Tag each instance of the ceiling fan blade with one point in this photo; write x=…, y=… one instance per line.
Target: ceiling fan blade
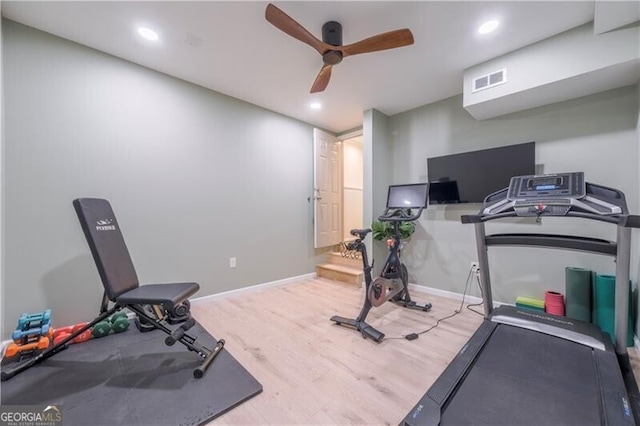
x=388, y=40
x=322, y=80
x=288, y=25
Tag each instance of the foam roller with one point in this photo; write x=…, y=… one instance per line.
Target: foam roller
x=578, y=293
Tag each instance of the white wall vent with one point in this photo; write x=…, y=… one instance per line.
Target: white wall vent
x=489, y=80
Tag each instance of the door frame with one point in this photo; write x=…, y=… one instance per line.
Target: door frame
x=342, y=138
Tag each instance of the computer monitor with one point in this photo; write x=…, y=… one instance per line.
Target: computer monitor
x=410, y=196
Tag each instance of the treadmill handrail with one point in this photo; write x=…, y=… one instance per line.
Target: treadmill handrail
x=626, y=221
x=565, y=242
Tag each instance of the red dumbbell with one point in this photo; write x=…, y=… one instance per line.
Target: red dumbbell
x=63, y=332
x=84, y=336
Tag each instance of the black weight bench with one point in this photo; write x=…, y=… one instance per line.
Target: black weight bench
x=121, y=287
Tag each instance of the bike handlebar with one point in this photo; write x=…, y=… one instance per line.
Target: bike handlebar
x=400, y=215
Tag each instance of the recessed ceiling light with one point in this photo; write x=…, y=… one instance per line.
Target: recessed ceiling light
x=148, y=33
x=315, y=105
x=488, y=26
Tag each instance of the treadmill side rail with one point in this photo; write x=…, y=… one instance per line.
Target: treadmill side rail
x=615, y=401
x=428, y=410
x=566, y=328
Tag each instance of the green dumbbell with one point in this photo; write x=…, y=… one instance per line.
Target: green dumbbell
x=118, y=322
x=101, y=329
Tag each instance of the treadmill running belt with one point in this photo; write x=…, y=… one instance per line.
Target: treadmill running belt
x=534, y=379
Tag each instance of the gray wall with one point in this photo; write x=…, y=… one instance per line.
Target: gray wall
x=596, y=134
x=382, y=178
x=367, y=166
x=195, y=178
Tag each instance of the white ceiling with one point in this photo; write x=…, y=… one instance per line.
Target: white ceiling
x=243, y=56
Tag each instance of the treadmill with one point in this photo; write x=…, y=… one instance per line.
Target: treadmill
x=523, y=367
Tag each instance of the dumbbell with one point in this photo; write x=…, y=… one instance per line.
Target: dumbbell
x=118, y=322
x=14, y=349
x=63, y=332
x=40, y=319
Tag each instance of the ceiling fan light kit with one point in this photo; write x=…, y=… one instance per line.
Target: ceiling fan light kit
x=331, y=47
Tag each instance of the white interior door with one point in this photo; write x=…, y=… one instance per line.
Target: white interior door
x=327, y=189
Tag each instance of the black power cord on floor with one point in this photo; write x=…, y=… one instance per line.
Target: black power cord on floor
x=413, y=336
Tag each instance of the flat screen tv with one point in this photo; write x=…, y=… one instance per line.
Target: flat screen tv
x=470, y=176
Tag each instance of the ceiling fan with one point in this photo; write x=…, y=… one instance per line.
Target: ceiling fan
x=331, y=47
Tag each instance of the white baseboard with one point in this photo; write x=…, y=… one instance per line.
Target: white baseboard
x=450, y=294
x=636, y=344
x=252, y=288
x=3, y=347
x=443, y=293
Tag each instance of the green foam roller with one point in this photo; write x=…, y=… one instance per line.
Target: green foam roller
x=604, y=306
x=593, y=297
x=605, y=302
x=578, y=293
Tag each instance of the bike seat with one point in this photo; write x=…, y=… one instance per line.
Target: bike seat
x=360, y=233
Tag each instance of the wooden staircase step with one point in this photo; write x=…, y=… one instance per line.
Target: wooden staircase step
x=336, y=258
x=340, y=273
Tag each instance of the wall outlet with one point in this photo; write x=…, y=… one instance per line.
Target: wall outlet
x=475, y=266
x=232, y=262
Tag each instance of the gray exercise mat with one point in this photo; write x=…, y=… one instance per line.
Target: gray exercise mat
x=131, y=379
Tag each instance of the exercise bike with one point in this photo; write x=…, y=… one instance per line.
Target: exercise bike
x=393, y=283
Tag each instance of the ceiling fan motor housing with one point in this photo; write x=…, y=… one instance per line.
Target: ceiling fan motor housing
x=332, y=34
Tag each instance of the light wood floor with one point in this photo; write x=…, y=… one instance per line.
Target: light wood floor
x=315, y=372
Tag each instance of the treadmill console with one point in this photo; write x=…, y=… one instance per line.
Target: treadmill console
x=534, y=187
x=554, y=195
